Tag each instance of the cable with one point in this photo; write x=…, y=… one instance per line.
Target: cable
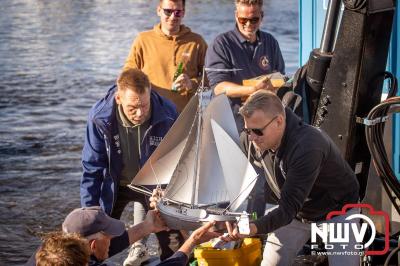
x=374, y=137
x=394, y=251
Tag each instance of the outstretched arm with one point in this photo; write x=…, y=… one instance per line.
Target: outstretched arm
x=151, y=224
x=235, y=90
x=200, y=235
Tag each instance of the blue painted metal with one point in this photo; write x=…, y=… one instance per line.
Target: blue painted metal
x=311, y=24
x=312, y=18
x=394, y=67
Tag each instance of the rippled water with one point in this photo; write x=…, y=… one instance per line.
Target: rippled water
x=56, y=59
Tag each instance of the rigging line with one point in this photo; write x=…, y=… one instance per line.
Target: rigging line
x=221, y=69
x=141, y=189
x=181, y=163
x=240, y=193
x=201, y=87
x=248, y=160
x=181, y=185
x=155, y=175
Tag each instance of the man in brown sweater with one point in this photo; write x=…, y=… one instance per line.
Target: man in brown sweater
x=160, y=51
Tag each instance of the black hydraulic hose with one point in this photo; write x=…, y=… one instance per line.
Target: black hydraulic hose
x=376, y=145
x=374, y=137
x=378, y=152
x=331, y=21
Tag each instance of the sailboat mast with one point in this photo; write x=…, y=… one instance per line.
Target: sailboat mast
x=195, y=191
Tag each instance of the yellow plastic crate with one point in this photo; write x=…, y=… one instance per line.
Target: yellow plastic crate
x=248, y=254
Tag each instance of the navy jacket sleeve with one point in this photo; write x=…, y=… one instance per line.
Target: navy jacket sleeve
x=217, y=57
x=279, y=63
x=94, y=163
x=179, y=258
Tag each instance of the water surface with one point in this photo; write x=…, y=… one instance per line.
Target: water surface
x=56, y=59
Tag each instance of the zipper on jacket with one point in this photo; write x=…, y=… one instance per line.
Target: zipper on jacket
x=151, y=126
x=139, y=144
x=109, y=168
x=145, y=134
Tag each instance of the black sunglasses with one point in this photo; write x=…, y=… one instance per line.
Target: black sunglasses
x=177, y=12
x=253, y=21
x=258, y=131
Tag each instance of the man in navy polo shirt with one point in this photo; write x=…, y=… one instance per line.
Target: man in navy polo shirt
x=245, y=47
x=255, y=53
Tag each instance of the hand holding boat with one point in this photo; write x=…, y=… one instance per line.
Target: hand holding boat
x=204, y=233
x=200, y=235
x=233, y=232
x=155, y=197
x=154, y=222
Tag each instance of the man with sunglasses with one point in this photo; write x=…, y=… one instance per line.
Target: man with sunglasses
x=307, y=174
x=246, y=48
x=255, y=53
x=160, y=51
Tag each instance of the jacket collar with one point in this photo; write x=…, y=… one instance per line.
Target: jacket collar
x=107, y=108
x=242, y=39
x=158, y=113
x=122, y=119
x=293, y=122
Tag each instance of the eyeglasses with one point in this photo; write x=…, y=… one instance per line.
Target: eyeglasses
x=177, y=12
x=253, y=21
x=258, y=131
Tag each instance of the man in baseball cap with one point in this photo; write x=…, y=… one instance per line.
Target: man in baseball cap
x=91, y=220
x=107, y=236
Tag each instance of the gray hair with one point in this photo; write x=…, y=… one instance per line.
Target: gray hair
x=249, y=2
x=265, y=101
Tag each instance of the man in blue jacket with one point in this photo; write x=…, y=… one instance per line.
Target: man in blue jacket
x=123, y=130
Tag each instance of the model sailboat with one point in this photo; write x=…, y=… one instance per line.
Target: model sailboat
x=208, y=177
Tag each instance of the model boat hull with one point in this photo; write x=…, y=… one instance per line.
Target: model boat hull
x=184, y=218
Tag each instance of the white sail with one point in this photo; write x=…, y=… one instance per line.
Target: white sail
x=181, y=186
x=167, y=155
x=239, y=174
x=200, y=159
x=211, y=182
x=208, y=184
